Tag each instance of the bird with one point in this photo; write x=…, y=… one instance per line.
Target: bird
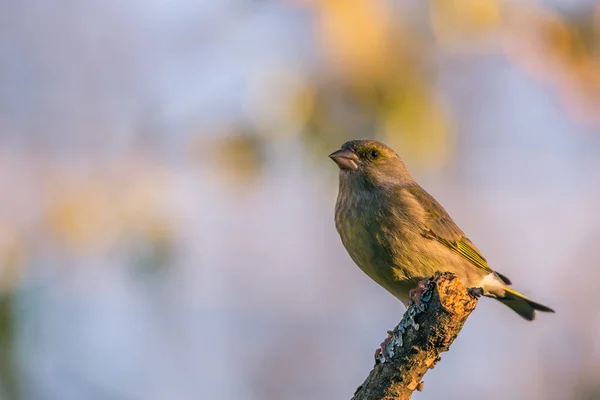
x=399, y=235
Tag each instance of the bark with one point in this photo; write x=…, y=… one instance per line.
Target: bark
x=416, y=343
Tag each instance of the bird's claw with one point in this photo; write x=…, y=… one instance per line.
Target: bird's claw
x=476, y=292
x=382, y=351
x=416, y=293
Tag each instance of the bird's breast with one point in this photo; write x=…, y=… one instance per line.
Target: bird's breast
x=369, y=236
x=379, y=239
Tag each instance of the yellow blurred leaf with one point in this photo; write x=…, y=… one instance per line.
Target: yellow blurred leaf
x=462, y=22
x=561, y=53
x=357, y=36
x=12, y=257
x=79, y=214
x=417, y=124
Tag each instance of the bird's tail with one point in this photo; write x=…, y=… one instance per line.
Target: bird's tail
x=522, y=305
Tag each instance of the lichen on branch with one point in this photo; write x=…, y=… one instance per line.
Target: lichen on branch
x=426, y=330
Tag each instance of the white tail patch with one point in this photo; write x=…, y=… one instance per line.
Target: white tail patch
x=492, y=285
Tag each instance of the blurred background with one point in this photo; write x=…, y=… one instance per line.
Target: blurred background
x=166, y=200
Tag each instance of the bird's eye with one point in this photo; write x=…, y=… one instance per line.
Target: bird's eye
x=374, y=154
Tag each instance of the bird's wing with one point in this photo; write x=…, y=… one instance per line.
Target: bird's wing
x=439, y=226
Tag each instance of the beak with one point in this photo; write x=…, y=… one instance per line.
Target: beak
x=345, y=159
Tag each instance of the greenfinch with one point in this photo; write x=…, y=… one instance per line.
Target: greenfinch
x=399, y=235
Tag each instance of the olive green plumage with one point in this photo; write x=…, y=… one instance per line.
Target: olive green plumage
x=398, y=234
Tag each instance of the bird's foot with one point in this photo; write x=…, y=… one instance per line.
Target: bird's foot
x=382, y=350
x=415, y=294
x=476, y=292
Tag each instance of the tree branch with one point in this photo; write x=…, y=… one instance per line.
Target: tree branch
x=415, y=346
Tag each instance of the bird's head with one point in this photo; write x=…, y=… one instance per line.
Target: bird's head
x=371, y=162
